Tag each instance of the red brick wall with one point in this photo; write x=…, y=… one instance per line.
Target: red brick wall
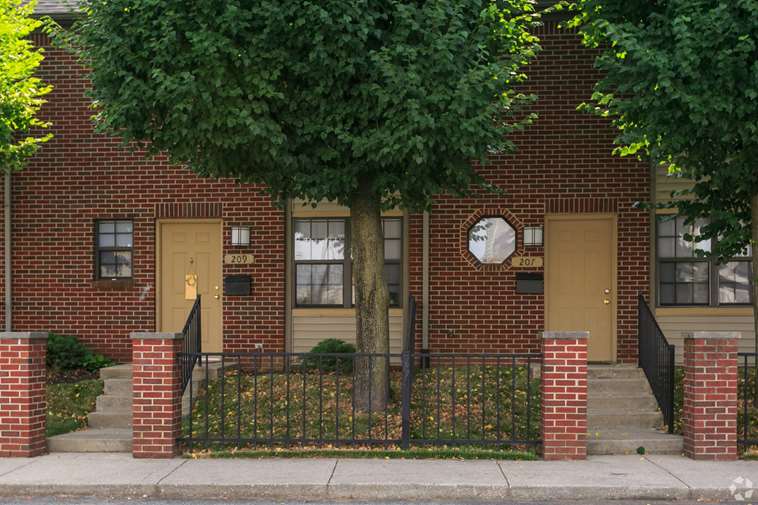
x=81, y=176
x=709, y=404
x=157, y=398
x=564, y=396
x=563, y=164
x=23, y=405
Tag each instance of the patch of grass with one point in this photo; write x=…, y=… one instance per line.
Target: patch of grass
x=369, y=452
x=68, y=405
x=305, y=408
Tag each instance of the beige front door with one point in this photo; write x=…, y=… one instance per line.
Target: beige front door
x=580, y=279
x=190, y=263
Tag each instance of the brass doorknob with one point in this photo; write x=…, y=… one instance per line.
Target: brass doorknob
x=216, y=297
x=606, y=302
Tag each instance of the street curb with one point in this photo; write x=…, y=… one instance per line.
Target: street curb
x=366, y=492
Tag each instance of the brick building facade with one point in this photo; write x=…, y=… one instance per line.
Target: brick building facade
x=563, y=167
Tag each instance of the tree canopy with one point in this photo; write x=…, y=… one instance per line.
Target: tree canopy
x=368, y=103
x=309, y=97
x=681, y=84
x=21, y=93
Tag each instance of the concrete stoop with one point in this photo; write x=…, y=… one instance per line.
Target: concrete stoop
x=622, y=414
x=110, y=425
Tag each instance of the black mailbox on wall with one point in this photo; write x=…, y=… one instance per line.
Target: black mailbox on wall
x=530, y=283
x=237, y=285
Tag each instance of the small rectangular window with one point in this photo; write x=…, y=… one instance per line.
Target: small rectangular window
x=393, y=254
x=114, y=243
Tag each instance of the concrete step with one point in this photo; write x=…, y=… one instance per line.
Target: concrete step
x=627, y=442
x=614, y=372
x=610, y=419
x=621, y=387
x=109, y=420
x=92, y=440
x=118, y=387
x=117, y=372
x=114, y=403
x=616, y=402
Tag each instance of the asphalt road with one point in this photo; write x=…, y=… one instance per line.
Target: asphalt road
x=67, y=501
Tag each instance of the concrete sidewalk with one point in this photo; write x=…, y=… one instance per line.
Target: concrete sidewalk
x=601, y=477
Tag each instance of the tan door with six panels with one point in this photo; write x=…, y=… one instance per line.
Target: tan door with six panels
x=190, y=264
x=580, y=279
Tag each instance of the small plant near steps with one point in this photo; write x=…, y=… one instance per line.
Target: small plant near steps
x=622, y=414
x=110, y=425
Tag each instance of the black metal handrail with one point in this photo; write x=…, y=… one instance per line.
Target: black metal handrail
x=746, y=436
x=656, y=358
x=303, y=399
x=191, y=343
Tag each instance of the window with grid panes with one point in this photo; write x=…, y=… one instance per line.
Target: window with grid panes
x=684, y=278
x=323, y=264
x=113, y=249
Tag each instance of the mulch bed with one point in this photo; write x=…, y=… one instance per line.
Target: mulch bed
x=70, y=376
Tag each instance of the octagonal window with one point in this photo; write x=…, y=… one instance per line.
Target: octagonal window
x=492, y=240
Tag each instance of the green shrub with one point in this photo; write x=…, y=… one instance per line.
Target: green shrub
x=65, y=352
x=93, y=362
x=331, y=363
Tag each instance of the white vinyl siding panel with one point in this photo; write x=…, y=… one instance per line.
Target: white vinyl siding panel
x=675, y=327
x=309, y=330
x=665, y=184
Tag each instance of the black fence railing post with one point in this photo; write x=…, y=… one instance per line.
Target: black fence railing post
x=407, y=383
x=747, y=388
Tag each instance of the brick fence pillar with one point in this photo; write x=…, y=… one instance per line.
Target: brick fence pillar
x=23, y=404
x=564, y=395
x=156, y=404
x=710, y=395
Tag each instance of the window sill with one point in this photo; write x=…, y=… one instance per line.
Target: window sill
x=704, y=311
x=335, y=312
x=113, y=284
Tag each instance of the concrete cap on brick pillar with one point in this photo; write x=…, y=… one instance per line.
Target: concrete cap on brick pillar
x=722, y=335
x=565, y=335
x=155, y=335
x=23, y=335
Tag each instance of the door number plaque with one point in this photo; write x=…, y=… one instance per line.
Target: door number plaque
x=238, y=259
x=527, y=261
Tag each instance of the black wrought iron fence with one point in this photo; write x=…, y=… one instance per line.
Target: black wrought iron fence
x=191, y=343
x=657, y=360
x=309, y=399
x=747, y=422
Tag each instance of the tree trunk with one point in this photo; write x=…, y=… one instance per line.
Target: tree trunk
x=371, y=300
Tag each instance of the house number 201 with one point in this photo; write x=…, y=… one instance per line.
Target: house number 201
x=527, y=261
